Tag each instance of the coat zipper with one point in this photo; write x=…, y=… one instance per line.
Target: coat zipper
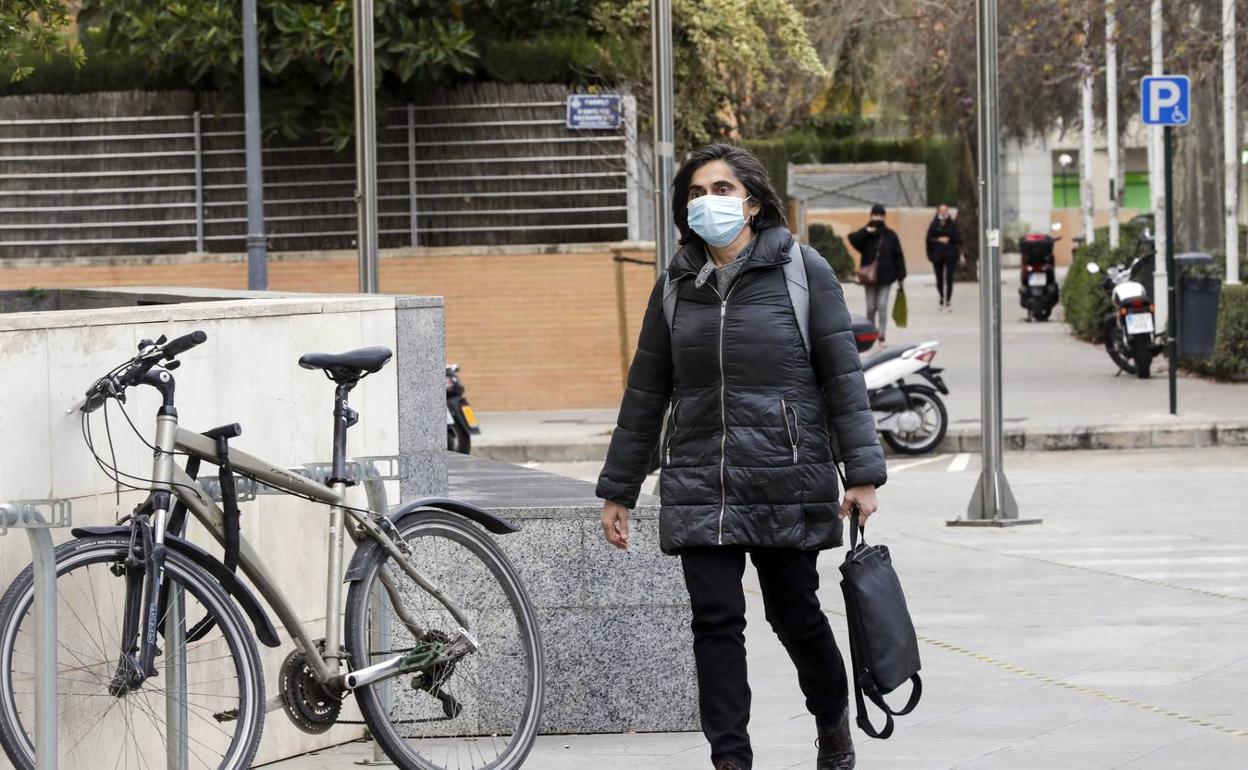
x=667, y=452
x=723, y=413
x=793, y=440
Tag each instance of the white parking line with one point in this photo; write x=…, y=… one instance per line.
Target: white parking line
x=959, y=463
x=915, y=464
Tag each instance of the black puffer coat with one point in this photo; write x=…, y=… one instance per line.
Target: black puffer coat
x=746, y=459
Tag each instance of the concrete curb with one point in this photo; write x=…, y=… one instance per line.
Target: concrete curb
x=1182, y=436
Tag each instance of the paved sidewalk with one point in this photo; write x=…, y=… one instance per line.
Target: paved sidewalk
x=1059, y=392
x=1112, y=635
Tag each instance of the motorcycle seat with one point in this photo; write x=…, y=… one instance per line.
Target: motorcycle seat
x=887, y=355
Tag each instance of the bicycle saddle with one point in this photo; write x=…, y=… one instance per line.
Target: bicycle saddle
x=351, y=365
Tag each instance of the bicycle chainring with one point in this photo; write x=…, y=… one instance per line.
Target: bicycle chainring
x=307, y=702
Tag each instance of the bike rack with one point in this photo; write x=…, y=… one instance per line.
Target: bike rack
x=37, y=517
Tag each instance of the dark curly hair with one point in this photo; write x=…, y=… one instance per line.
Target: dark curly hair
x=748, y=170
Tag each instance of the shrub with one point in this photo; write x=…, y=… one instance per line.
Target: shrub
x=832, y=248
x=1086, y=304
x=554, y=58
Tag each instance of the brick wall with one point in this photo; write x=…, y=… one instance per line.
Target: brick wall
x=531, y=329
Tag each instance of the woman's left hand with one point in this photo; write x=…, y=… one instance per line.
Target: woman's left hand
x=863, y=498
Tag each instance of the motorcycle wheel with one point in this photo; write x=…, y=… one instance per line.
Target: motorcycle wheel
x=458, y=439
x=1117, y=348
x=926, y=401
x=1142, y=354
x=1043, y=315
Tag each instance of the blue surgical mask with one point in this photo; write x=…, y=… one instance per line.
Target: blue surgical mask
x=717, y=219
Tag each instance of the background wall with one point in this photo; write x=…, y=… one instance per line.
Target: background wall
x=246, y=372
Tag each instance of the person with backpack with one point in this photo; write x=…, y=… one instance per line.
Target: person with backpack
x=882, y=264
x=944, y=251
x=747, y=357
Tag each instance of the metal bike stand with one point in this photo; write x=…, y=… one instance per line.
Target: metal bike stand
x=37, y=517
x=375, y=472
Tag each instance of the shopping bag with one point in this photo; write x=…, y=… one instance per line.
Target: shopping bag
x=901, y=312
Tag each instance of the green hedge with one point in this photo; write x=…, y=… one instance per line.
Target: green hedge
x=832, y=248
x=940, y=155
x=556, y=58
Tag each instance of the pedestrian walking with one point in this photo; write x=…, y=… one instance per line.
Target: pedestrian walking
x=747, y=454
x=881, y=265
x=944, y=251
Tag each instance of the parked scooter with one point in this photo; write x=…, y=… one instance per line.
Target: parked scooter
x=461, y=421
x=911, y=417
x=1131, y=337
x=1037, y=288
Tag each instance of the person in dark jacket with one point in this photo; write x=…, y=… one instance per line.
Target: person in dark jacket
x=944, y=251
x=747, y=459
x=877, y=243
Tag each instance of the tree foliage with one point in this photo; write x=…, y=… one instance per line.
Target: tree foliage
x=741, y=67
x=34, y=27
x=306, y=50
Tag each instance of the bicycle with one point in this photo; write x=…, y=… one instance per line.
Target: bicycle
x=156, y=664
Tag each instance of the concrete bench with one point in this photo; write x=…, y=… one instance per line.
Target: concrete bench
x=619, y=651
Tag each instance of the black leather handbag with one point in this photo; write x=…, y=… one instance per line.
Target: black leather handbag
x=883, y=647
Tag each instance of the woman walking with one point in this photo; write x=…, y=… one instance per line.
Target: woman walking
x=747, y=458
x=944, y=251
x=880, y=247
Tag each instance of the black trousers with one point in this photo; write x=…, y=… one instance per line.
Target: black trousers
x=789, y=579
x=945, y=267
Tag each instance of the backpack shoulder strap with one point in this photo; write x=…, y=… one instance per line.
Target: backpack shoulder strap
x=799, y=291
x=670, y=288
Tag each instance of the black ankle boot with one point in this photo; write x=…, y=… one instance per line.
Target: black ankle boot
x=836, y=747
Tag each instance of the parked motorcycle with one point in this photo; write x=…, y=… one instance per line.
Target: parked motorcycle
x=1037, y=288
x=911, y=417
x=461, y=421
x=1131, y=337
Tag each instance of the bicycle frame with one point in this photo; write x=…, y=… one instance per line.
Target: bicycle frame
x=172, y=479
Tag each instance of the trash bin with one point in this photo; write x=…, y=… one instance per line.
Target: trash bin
x=1198, y=307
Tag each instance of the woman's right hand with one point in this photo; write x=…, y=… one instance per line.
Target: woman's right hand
x=615, y=524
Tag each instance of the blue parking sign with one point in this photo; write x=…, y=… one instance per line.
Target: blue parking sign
x=1165, y=100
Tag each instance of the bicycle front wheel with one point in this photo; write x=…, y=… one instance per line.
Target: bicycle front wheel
x=483, y=711
x=211, y=688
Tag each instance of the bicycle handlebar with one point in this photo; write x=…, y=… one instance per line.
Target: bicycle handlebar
x=114, y=385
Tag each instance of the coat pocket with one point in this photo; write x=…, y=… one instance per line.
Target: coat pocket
x=792, y=427
x=671, y=432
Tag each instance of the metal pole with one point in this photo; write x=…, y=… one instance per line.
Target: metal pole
x=44, y=568
x=664, y=132
x=632, y=180
x=257, y=260
x=1158, y=186
x=1230, y=140
x=413, y=237
x=365, y=146
x=199, y=184
x=1111, y=118
x=1172, y=320
x=1087, y=194
x=993, y=502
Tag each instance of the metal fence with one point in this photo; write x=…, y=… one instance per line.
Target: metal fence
x=478, y=172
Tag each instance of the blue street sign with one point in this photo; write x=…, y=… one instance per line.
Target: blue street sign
x=595, y=111
x=1165, y=100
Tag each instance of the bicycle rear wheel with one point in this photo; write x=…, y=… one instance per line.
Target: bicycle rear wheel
x=481, y=713
x=220, y=699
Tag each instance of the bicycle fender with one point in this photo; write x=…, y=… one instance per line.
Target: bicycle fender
x=265, y=631
x=364, y=554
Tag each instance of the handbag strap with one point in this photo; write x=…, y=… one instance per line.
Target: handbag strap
x=864, y=720
x=855, y=526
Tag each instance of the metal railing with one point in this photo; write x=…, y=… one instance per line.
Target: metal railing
x=108, y=186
